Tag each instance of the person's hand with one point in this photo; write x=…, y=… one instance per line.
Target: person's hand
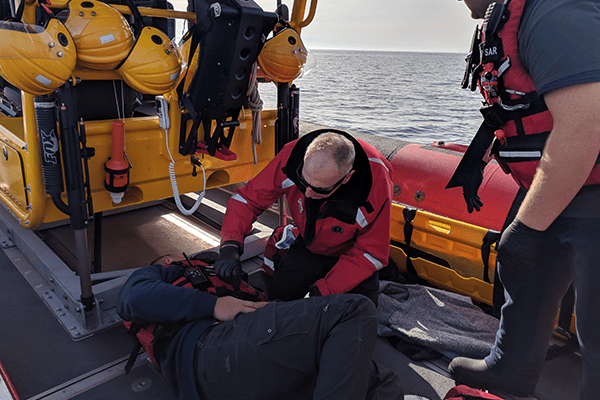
x=470, y=188
x=228, y=266
x=226, y=308
x=519, y=246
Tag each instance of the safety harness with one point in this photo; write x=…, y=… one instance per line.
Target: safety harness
x=513, y=112
x=229, y=34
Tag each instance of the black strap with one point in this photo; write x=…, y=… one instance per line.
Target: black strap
x=409, y=216
x=472, y=158
x=133, y=331
x=490, y=238
x=217, y=138
x=189, y=145
x=204, y=22
x=226, y=140
x=138, y=22
x=193, y=35
x=473, y=63
x=532, y=144
x=212, y=140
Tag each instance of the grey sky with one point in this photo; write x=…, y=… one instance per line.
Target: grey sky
x=393, y=25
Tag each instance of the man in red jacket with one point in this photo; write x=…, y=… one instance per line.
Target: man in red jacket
x=339, y=193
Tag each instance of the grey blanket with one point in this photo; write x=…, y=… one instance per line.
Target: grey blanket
x=440, y=320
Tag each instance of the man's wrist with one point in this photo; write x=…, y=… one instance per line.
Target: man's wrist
x=231, y=244
x=530, y=223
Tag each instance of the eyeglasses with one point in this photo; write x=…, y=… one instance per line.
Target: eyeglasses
x=316, y=189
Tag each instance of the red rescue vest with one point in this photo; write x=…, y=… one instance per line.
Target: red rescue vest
x=509, y=92
x=154, y=337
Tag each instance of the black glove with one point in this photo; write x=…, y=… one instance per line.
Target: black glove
x=228, y=266
x=519, y=246
x=470, y=187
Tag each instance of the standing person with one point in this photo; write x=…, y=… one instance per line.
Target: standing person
x=538, y=68
x=317, y=348
x=339, y=193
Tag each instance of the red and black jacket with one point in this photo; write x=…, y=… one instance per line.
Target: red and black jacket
x=352, y=224
x=511, y=102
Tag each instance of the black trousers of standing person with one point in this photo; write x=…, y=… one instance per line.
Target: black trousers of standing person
x=311, y=349
x=299, y=269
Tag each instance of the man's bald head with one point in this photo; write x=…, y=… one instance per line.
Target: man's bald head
x=334, y=146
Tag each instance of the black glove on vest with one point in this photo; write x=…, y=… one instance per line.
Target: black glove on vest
x=228, y=266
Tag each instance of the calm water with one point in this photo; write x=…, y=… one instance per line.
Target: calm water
x=411, y=96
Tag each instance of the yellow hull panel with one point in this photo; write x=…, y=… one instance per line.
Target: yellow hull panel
x=446, y=252
x=21, y=180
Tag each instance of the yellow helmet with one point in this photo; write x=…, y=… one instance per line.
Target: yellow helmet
x=35, y=59
x=154, y=65
x=102, y=35
x=283, y=56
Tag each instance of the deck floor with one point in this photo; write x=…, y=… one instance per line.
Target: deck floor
x=44, y=362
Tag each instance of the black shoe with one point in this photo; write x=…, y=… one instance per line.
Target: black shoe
x=476, y=374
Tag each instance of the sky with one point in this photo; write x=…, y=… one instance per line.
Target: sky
x=387, y=25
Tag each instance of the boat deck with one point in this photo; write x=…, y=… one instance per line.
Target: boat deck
x=45, y=361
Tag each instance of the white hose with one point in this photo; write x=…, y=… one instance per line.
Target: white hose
x=180, y=206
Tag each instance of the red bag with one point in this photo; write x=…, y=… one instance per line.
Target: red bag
x=199, y=274
x=463, y=392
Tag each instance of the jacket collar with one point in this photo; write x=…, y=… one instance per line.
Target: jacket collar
x=356, y=190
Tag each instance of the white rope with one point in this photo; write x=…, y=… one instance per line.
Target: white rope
x=117, y=101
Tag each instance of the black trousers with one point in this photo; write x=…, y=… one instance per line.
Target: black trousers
x=317, y=348
x=299, y=268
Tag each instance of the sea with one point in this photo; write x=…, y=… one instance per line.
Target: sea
x=413, y=96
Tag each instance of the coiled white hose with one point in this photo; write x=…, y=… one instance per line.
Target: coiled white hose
x=180, y=206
